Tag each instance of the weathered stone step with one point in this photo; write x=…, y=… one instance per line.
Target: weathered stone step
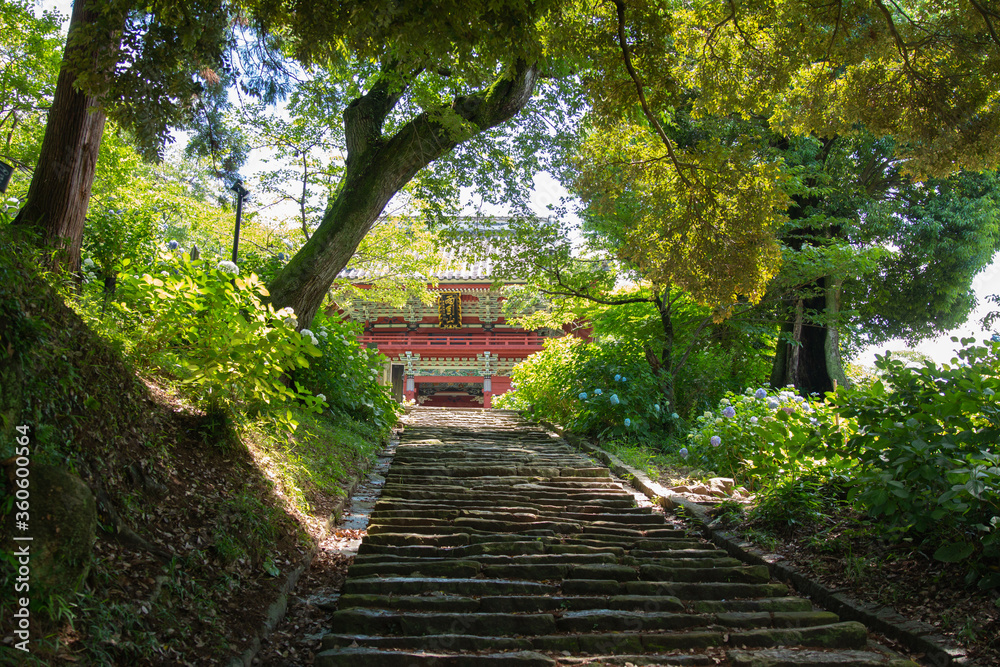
x=556, y=603
x=436, y=512
x=630, y=515
x=419, y=585
x=374, y=559
x=492, y=559
x=352, y=657
x=390, y=622
x=684, y=591
x=518, y=603
x=607, y=499
x=473, y=503
x=465, y=525
x=513, y=546
x=495, y=471
x=845, y=635
x=783, y=657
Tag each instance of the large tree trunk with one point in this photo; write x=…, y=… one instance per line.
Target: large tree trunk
x=663, y=367
x=377, y=168
x=56, y=207
x=808, y=351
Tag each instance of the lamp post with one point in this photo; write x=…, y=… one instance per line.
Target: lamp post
x=241, y=192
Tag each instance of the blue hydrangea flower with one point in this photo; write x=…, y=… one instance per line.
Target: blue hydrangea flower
x=583, y=395
x=716, y=441
x=684, y=452
x=281, y=256
x=614, y=399
x=753, y=420
x=656, y=407
x=172, y=245
x=598, y=392
x=760, y=393
x=729, y=411
x=618, y=378
x=675, y=416
x=624, y=379
x=773, y=404
x=628, y=422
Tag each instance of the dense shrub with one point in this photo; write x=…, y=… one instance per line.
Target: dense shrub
x=762, y=437
x=927, y=442
x=209, y=330
x=599, y=389
x=346, y=374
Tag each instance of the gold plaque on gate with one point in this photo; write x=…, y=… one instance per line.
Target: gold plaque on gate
x=450, y=310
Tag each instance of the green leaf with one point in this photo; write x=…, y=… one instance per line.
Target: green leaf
x=953, y=552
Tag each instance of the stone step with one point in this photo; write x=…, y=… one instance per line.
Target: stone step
x=352, y=657
x=512, y=603
x=425, y=585
x=638, y=515
x=783, y=657
x=556, y=603
x=844, y=635
x=607, y=499
x=486, y=470
x=494, y=559
x=473, y=503
x=391, y=622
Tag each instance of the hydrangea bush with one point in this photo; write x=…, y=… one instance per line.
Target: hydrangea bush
x=598, y=389
x=762, y=436
x=928, y=443
x=346, y=374
x=212, y=331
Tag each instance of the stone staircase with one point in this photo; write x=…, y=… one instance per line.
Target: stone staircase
x=495, y=543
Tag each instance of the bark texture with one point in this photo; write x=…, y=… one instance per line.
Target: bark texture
x=56, y=206
x=376, y=168
x=808, y=351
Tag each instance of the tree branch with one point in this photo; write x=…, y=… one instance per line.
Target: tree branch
x=650, y=116
x=364, y=116
x=986, y=19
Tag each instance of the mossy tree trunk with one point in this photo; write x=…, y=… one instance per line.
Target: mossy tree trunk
x=377, y=167
x=56, y=206
x=808, y=350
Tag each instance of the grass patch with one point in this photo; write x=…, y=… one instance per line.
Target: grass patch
x=320, y=458
x=659, y=465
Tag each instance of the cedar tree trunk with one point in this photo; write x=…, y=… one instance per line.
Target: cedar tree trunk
x=808, y=352
x=56, y=207
x=376, y=168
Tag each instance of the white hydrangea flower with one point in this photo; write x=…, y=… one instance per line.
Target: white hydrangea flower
x=89, y=263
x=306, y=333
x=287, y=315
x=228, y=267
x=321, y=397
